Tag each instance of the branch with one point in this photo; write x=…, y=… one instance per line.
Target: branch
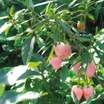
x=99, y=80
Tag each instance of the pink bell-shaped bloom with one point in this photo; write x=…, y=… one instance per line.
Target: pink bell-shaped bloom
x=67, y=51
x=88, y=91
x=56, y=62
x=78, y=91
x=59, y=49
x=76, y=67
x=90, y=70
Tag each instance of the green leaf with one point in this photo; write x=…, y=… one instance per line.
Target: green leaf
x=72, y=3
x=56, y=34
x=97, y=10
x=98, y=53
x=75, y=98
x=19, y=40
x=33, y=64
x=19, y=27
x=65, y=27
x=40, y=58
x=27, y=49
x=50, y=55
x=75, y=30
x=40, y=42
x=46, y=86
x=90, y=99
x=100, y=45
x=2, y=89
x=27, y=74
x=13, y=97
x=4, y=17
x=84, y=39
x=91, y=16
x=6, y=25
x=64, y=73
x=31, y=4
x=62, y=85
x=3, y=38
x=9, y=75
x=7, y=30
x=86, y=58
x=11, y=10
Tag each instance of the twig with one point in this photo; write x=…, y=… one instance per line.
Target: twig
x=99, y=80
x=55, y=78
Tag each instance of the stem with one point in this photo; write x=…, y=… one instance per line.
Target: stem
x=55, y=78
x=99, y=80
x=64, y=37
x=79, y=76
x=87, y=82
x=58, y=29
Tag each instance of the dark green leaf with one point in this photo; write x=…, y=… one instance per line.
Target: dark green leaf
x=4, y=38
x=27, y=74
x=90, y=99
x=62, y=85
x=9, y=75
x=84, y=39
x=40, y=42
x=100, y=45
x=13, y=97
x=98, y=53
x=56, y=34
x=31, y=4
x=6, y=25
x=86, y=59
x=64, y=73
x=65, y=27
x=2, y=89
x=19, y=40
x=97, y=10
x=40, y=58
x=72, y=3
x=47, y=87
x=75, y=98
x=27, y=49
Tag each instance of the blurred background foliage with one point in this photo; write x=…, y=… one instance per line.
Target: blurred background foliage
x=28, y=30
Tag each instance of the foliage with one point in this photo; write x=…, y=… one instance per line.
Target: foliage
x=28, y=31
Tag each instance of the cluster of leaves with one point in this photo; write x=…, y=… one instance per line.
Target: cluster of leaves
x=28, y=31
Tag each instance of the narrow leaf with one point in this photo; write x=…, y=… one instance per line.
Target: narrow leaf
x=50, y=55
x=90, y=99
x=40, y=58
x=9, y=75
x=97, y=10
x=56, y=34
x=13, y=97
x=27, y=49
x=75, y=98
x=11, y=10
x=91, y=17
x=33, y=64
x=86, y=58
x=65, y=27
x=6, y=25
x=27, y=74
x=31, y=4
x=64, y=73
x=100, y=45
x=2, y=89
x=84, y=39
